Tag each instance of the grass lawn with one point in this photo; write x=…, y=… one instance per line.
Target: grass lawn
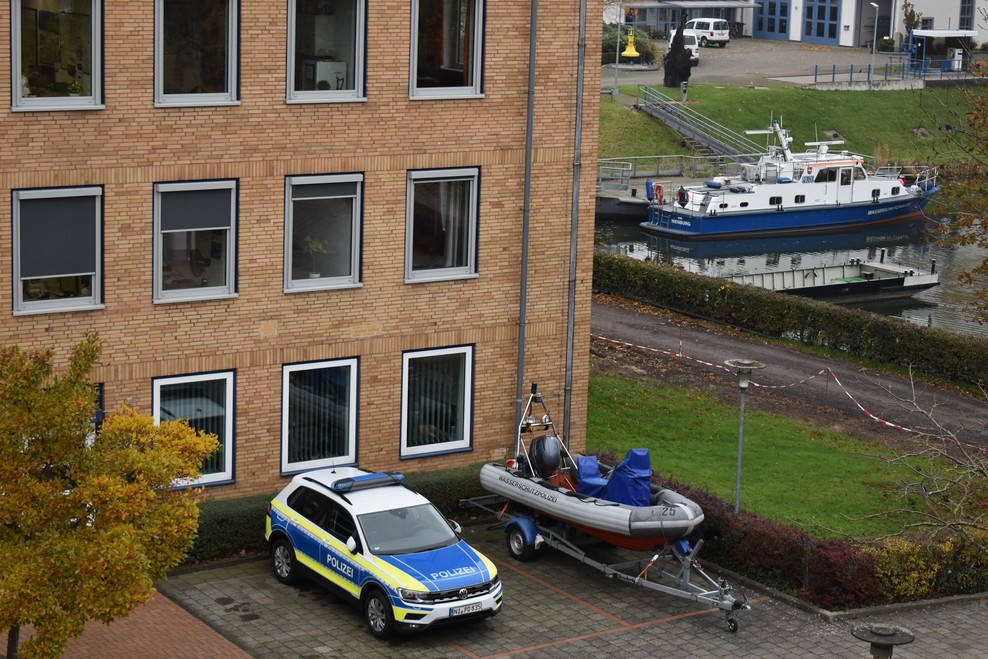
x=792, y=472
x=903, y=126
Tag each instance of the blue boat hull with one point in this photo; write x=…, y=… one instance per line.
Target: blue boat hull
x=673, y=222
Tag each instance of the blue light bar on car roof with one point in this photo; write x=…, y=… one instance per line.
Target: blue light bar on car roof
x=367, y=481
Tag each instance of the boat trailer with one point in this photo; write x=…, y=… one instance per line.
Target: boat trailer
x=670, y=570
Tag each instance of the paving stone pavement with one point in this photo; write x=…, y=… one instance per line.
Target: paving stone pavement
x=557, y=607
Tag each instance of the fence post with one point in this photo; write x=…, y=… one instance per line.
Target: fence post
x=816, y=70
x=833, y=73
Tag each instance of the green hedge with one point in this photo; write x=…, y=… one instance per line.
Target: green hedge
x=235, y=527
x=937, y=353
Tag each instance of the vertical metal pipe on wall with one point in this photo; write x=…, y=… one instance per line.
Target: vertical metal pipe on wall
x=575, y=219
x=526, y=211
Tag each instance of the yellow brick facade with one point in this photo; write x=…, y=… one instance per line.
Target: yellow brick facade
x=130, y=145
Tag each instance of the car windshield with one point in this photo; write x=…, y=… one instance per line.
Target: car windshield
x=407, y=530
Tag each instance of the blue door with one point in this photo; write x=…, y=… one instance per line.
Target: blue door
x=821, y=21
x=772, y=20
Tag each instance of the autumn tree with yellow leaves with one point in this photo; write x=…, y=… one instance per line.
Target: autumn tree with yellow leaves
x=88, y=520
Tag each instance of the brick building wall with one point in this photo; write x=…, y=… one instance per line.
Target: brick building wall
x=130, y=145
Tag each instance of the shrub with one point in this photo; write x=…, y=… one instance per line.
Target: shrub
x=907, y=569
x=841, y=575
x=230, y=527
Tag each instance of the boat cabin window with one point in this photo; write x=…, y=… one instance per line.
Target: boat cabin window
x=845, y=176
x=800, y=199
x=826, y=176
x=743, y=204
x=723, y=205
x=775, y=201
x=860, y=174
x=895, y=190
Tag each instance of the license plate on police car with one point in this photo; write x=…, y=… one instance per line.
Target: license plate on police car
x=462, y=610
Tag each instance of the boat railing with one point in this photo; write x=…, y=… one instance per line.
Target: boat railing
x=924, y=176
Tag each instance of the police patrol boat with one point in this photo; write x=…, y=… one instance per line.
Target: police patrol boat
x=787, y=193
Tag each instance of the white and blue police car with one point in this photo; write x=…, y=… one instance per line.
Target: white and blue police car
x=383, y=546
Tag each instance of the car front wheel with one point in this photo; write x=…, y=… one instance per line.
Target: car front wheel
x=378, y=615
x=283, y=561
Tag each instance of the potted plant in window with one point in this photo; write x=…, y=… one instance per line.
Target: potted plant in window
x=75, y=88
x=313, y=246
x=323, y=85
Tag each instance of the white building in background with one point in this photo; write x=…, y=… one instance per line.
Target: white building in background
x=849, y=23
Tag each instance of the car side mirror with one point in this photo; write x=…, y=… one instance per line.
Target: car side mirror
x=456, y=527
x=351, y=544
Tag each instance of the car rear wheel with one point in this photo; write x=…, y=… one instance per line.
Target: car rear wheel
x=378, y=615
x=703, y=41
x=723, y=44
x=283, y=561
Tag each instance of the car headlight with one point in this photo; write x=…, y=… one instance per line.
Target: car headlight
x=413, y=595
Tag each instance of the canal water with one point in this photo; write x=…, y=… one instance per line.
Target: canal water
x=945, y=306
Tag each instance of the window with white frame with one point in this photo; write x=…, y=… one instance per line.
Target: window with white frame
x=441, y=224
x=319, y=415
x=204, y=400
x=447, y=44
x=57, y=55
x=195, y=52
x=58, y=258
x=436, y=401
x=322, y=231
x=194, y=240
x=326, y=50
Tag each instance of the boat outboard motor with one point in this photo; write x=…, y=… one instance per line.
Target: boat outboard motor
x=544, y=455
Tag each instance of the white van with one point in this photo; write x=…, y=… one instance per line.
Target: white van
x=691, y=44
x=710, y=31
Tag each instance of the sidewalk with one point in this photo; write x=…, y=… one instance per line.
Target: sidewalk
x=160, y=629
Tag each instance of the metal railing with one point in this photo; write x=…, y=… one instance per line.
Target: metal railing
x=691, y=124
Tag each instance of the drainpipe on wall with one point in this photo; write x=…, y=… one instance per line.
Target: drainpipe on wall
x=526, y=209
x=575, y=221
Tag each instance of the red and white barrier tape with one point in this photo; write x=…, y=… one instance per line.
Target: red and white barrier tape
x=722, y=367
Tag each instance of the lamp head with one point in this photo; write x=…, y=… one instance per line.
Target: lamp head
x=743, y=369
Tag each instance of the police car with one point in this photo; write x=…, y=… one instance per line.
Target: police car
x=383, y=546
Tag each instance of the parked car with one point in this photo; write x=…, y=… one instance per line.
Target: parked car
x=382, y=547
x=710, y=31
x=691, y=44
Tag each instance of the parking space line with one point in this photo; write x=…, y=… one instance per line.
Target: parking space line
x=570, y=596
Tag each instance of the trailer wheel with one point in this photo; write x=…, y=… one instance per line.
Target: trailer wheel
x=519, y=549
x=732, y=625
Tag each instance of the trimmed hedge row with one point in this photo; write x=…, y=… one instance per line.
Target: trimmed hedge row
x=937, y=353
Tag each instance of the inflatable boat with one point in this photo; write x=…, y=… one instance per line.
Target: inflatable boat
x=619, y=505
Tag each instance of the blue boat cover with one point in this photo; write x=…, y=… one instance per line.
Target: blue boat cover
x=631, y=481
x=589, y=481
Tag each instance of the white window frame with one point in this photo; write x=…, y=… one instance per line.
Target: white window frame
x=92, y=101
x=82, y=303
x=230, y=96
x=351, y=280
x=464, y=443
x=229, y=289
x=350, y=457
x=469, y=271
x=470, y=91
x=226, y=475
x=331, y=95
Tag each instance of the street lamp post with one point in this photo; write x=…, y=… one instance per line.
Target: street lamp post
x=743, y=368
x=874, y=44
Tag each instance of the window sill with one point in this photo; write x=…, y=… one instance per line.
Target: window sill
x=192, y=298
x=60, y=309
x=439, y=276
x=305, y=287
x=70, y=106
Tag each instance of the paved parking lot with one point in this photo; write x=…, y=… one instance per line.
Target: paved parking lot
x=554, y=607
x=757, y=62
